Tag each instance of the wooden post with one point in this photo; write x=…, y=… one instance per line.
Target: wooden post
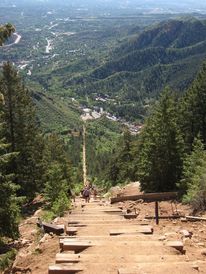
x=156, y=213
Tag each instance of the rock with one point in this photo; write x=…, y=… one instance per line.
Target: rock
x=162, y=238
x=34, y=232
x=203, y=252
x=184, y=220
x=44, y=238
x=186, y=233
x=39, y=249
x=195, y=266
x=25, y=242
x=16, y=269
x=56, y=220
x=37, y=212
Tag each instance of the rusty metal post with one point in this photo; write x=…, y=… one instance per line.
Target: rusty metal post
x=156, y=213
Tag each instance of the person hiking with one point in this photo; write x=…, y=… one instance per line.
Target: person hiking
x=86, y=194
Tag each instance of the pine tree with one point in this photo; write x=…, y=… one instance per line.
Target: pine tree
x=120, y=168
x=193, y=110
x=5, y=32
x=22, y=132
x=160, y=149
x=193, y=182
x=9, y=209
x=58, y=176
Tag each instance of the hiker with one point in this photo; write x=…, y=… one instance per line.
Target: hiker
x=86, y=194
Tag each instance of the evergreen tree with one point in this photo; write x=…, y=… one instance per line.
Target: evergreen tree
x=5, y=32
x=22, y=132
x=193, y=182
x=193, y=110
x=9, y=209
x=120, y=168
x=160, y=149
x=58, y=170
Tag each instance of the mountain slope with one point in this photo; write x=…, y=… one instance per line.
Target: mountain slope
x=169, y=53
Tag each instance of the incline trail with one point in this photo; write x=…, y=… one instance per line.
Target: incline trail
x=129, y=253
x=135, y=252
x=84, y=156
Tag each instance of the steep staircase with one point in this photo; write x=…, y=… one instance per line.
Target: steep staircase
x=104, y=242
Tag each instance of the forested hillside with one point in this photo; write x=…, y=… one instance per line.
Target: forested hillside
x=169, y=53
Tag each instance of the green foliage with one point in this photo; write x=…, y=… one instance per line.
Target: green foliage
x=61, y=204
x=56, y=183
x=121, y=164
x=5, y=32
x=58, y=175
x=160, y=152
x=7, y=259
x=193, y=182
x=22, y=132
x=9, y=209
x=193, y=112
x=101, y=139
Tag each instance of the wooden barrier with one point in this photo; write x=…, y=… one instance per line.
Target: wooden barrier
x=149, y=197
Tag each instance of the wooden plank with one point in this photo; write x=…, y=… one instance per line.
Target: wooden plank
x=143, y=230
x=76, y=246
x=164, y=217
x=77, y=225
x=48, y=228
x=71, y=231
x=194, y=218
x=98, y=258
x=67, y=258
x=176, y=244
x=151, y=197
x=64, y=269
x=130, y=216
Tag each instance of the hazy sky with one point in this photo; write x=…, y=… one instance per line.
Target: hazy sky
x=117, y=3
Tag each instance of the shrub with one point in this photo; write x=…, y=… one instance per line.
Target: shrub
x=61, y=204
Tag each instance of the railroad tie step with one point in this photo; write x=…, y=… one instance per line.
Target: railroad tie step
x=177, y=245
x=64, y=269
x=67, y=258
x=141, y=229
x=76, y=246
x=71, y=231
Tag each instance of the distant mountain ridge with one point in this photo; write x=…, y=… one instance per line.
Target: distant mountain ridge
x=137, y=69
x=169, y=53
x=163, y=44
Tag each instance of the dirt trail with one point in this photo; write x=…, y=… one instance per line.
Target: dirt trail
x=130, y=253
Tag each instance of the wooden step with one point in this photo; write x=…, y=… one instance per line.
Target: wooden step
x=130, y=216
x=176, y=244
x=71, y=231
x=67, y=258
x=99, y=258
x=64, y=269
x=76, y=246
x=48, y=228
x=141, y=229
